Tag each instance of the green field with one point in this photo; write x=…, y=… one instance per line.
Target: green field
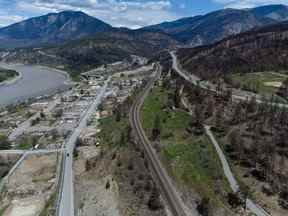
x=260, y=82
x=26, y=142
x=113, y=131
x=191, y=160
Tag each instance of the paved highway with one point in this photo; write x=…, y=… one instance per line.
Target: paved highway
x=226, y=168
x=257, y=210
x=66, y=206
x=237, y=94
x=159, y=173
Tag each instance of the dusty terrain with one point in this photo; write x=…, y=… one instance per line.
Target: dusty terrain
x=30, y=186
x=107, y=184
x=92, y=193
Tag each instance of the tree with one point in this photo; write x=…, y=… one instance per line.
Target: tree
x=177, y=98
x=101, y=107
x=58, y=113
x=118, y=114
x=237, y=117
x=282, y=117
x=78, y=142
x=245, y=191
x=252, y=105
x=107, y=185
x=209, y=108
x=54, y=134
x=203, y=207
x=122, y=140
x=42, y=115
x=129, y=133
x=34, y=121
x=198, y=114
x=197, y=120
x=236, y=143
x=283, y=91
x=283, y=198
x=234, y=200
x=219, y=120
x=154, y=202
x=4, y=143
x=156, y=131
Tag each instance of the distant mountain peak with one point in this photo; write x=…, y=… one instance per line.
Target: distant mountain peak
x=277, y=12
x=53, y=28
x=258, y=50
x=214, y=26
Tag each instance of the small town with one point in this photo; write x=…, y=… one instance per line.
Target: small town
x=35, y=135
x=144, y=108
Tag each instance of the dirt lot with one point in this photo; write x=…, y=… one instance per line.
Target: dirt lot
x=30, y=187
x=91, y=192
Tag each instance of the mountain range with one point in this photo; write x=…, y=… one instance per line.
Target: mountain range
x=83, y=54
x=263, y=49
x=51, y=28
x=56, y=28
x=78, y=42
x=212, y=27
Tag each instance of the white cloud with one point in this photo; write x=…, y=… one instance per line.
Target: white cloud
x=249, y=3
x=8, y=19
x=182, y=6
x=129, y=13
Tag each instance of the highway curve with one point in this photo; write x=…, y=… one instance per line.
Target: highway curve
x=159, y=173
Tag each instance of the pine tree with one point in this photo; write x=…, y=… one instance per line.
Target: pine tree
x=156, y=128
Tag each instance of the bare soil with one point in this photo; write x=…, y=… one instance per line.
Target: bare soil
x=30, y=186
x=114, y=182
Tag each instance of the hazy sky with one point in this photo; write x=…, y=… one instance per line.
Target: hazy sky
x=129, y=13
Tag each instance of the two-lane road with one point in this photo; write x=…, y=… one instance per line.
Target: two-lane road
x=257, y=210
x=66, y=207
x=237, y=94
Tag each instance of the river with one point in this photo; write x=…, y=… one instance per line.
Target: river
x=35, y=81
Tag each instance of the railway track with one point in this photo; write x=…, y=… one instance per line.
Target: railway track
x=159, y=173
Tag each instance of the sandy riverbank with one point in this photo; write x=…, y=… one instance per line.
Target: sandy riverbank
x=13, y=80
x=34, y=81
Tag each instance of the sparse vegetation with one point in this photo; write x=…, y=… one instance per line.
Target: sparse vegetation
x=128, y=166
x=49, y=206
x=254, y=51
x=263, y=83
x=26, y=142
x=253, y=137
x=190, y=158
x=5, y=144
